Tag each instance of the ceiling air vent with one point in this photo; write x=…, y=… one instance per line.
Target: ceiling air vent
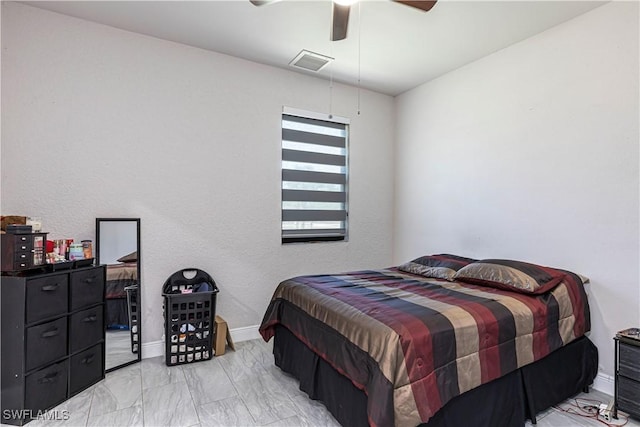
x=310, y=61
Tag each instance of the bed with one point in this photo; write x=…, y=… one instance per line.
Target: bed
x=119, y=277
x=442, y=341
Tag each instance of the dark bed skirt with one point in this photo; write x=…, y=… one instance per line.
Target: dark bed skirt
x=117, y=314
x=506, y=401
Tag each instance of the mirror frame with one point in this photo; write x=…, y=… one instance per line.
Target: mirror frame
x=139, y=296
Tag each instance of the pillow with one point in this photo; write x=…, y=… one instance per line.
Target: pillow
x=443, y=266
x=132, y=257
x=511, y=275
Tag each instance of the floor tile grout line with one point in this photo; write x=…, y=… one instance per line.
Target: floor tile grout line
x=299, y=411
x=233, y=383
x=170, y=382
x=141, y=394
x=193, y=402
x=266, y=372
x=237, y=394
x=255, y=422
x=93, y=393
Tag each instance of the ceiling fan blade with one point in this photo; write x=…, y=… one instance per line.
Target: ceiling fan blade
x=262, y=2
x=425, y=5
x=340, y=22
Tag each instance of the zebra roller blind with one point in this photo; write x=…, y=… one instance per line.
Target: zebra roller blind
x=314, y=179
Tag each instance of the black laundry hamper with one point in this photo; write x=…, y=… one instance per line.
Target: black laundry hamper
x=132, y=308
x=189, y=317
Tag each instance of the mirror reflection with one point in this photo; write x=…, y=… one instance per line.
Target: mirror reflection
x=118, y=247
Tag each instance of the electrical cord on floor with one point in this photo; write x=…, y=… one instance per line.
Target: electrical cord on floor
x=590, y=408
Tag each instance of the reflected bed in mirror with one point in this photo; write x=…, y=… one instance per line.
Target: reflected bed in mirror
x=118, y=247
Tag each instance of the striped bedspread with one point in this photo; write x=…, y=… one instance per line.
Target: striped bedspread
x=412, y=343
x=119, y=276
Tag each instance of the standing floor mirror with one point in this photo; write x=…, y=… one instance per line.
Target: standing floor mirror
x=118, y=248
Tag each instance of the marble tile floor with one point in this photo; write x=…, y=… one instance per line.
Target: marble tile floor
x=118, y=348
x=241, y=388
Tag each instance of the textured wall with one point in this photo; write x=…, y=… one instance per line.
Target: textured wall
x=99, y=122
x=532, y=154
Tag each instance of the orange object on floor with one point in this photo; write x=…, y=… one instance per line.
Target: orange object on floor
x=222, y=337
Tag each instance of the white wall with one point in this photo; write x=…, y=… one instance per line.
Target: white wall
x=532, y=153
x=99, y=122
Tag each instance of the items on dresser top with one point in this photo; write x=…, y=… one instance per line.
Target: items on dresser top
x=631, y=333
x=23, y=250
x=6, y=220
x=59, y=317
x=27, y=224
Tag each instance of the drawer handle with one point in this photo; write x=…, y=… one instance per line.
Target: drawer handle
x=87, y=360
x=49, y=378
x=49, y=288
x=23, y=256
x=50, y=333
x=90, y=318
x=89, y=280
x=23, y=248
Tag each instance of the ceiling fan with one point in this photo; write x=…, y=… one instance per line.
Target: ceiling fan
x=341, y=10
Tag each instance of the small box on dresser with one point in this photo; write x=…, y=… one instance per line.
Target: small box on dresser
x=52, y=338
x=627, y=372
x=22, y=251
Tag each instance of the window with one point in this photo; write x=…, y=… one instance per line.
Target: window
x=314, y=177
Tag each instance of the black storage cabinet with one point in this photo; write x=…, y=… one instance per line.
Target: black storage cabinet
x=627, y=376
x=52, y=338
x=189, y=318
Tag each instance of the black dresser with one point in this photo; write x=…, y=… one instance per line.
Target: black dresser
x=52, y=339
x=627, y=391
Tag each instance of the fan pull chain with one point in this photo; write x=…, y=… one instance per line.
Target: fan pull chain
x=331, y=83
x=359, y=50
x=331, y=93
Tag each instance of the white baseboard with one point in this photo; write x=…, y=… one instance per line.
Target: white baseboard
x=604, y=383
x=156, y=348
x=152, y=349
x=246, y=333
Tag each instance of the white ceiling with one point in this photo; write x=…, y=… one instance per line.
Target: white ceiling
x=391, y=46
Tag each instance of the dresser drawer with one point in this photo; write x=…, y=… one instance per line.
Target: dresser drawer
x=87, y=287
x=86, y=368
x=629, y=361
x=47, y=387
x=86, y=328
x=21, y=265
x=22, y=238
x=46, y=297
x=23, y=256
x=45, y=343
x=629, y=395
x=23, y=244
